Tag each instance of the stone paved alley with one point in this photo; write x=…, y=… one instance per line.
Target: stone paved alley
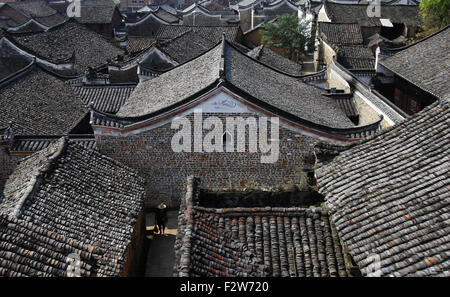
x=161, y=253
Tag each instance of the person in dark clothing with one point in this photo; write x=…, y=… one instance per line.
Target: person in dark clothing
x=161, y=218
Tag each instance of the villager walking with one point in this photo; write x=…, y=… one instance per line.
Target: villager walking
x=161, y=218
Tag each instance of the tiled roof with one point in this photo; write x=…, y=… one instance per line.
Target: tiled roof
x=160, y=13
x=389, y=196
x=33, y=9
x=186, y=46
x=174, y=85
x=248, y=3
x=355, y=57
x=166, y=16
x=6, y=22
x=390, y=110
x=31, y=144
x=357, y=14
x=276, y=8
x=39, y=103
x=194, y=42
x=98, y=207
x=212, y=33
x=347, y=41
x=147, y=25
x=11, y=64
x=30, y=26
x=425, y=63
x=96, y=11
x=342, y=34
x=271, y=58
x=346, y=102
x=106, y=98
x=255, y=242
x=407, y=2
x=171, y=31
x=40, y=11
x=61, y=42
x=51, y=21
x=139, y=43
x=266, y=84
x=26, y=249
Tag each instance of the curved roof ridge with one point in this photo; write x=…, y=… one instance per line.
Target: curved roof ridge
x=203, y=26
x=265, y=65
x=276, y=4
x=363, y=4
x=337, y=23
x=227, y=60
x=56, y=74
x=150, y=14
x=30, y=21
x=431, y=88
x=324, y=70
x=21, y=7
x=10, y=37
x=50, y=29
x=58, y=26
x=18, y=73
x=399, y=49
x=119, y=118
x=299, y=77
x=125, y=121
x=181, y=64
x=166, y=98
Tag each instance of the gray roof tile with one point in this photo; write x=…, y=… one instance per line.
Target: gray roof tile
x=342, y=34
x=106, y=98
x=26, y=249
x=272, y=87
x=255, y=242
x=389, y=196
x=61, y=42
x=357, y=14
x=425, y=63
x=271, y=58
x=99, y=207
x=96, y=11
x=40, y=104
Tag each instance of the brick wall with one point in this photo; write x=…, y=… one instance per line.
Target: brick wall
x=150, y=152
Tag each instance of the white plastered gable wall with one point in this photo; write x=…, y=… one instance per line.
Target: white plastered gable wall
x=323, y=17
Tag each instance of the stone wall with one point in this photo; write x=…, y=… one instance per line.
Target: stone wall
x=165, y=171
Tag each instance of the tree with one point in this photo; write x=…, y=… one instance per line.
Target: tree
x=435, y=14
x=289, y=33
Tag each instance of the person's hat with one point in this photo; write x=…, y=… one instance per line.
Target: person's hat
x=162, y=206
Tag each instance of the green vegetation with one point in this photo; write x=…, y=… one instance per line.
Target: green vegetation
x=435, y=16
x=289, y=33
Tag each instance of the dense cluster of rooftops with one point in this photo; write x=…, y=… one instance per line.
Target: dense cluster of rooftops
x=384, y=178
